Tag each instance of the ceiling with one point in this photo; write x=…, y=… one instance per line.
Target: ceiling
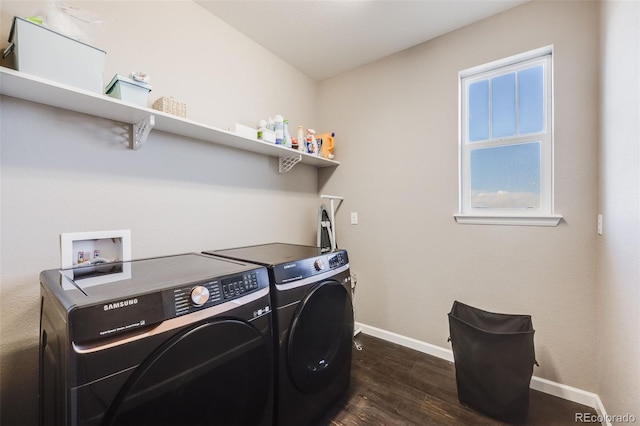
x=324, y=38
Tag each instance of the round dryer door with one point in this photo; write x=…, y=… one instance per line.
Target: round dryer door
x=320, y=338
x=214, y=373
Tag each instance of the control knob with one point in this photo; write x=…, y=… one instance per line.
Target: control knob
x=318, y=264
x=199, y=295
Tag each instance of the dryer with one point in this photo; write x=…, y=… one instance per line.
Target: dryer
x=175, y=340
x=313, y=326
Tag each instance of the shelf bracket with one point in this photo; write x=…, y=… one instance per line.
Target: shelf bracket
x=140, y=131
x=286, y=163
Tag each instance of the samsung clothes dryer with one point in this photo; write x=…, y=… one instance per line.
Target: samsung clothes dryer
x=313, y=314
x=176, y=340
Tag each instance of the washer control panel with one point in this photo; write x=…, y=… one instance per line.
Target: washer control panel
x=239, y=285
x=199, y=295
x=202, y=295
x=129, y=297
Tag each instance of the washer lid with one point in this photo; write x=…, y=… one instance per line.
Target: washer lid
x=122, y=297
x=147, y=275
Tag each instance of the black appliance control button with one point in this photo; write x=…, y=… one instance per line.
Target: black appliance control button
x=199, y=295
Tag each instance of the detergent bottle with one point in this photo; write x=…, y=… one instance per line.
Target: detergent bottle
x=312, y=144
x=325, y=140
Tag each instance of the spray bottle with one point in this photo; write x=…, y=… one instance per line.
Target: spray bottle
x=286, y=140
x=312, y=144
x=279, y=129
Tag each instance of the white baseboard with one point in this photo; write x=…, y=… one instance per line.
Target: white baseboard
x=569, y=393
x=408, y=342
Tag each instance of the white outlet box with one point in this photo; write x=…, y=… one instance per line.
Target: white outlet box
x=354, y=218
x=77, y=248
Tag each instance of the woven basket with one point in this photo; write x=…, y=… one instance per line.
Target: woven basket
x=170, y=105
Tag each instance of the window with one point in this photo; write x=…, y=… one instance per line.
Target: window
x=506, y=142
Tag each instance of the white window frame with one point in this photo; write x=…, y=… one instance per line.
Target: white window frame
x=542, y=216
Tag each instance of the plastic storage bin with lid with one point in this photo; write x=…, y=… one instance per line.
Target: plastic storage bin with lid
x=45, y=53
x=129, y=89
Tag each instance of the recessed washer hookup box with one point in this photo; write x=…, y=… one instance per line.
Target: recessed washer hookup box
x=48, y=54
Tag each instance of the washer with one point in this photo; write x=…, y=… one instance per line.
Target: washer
x=313, y=313
x=176, y=340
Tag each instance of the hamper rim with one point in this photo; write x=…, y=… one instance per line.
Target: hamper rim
x=532, y=331
x=456, y=302
x=488, y=312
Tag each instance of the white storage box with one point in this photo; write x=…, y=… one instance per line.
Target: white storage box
x=246, y=131
x=128, y=89
x=54, y=56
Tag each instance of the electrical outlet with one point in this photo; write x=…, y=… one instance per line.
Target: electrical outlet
x=354, y=218
x=599, y=224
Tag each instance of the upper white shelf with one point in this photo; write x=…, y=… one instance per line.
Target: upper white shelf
x=31, y=88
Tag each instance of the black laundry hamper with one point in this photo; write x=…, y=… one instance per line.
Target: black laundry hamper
x=494, y=357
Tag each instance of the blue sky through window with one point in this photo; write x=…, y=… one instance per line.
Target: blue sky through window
x=530, y=100
x=506, y=176
x=503, y=106
x=507, y=105
x=479, y=111
x=506, y=146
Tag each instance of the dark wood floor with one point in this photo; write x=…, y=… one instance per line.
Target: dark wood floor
x=394, y=385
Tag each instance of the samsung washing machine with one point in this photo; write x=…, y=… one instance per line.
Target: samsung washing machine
x=313, y=326
x=176, y=340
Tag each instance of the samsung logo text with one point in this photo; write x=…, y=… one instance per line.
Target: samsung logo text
x=120, y=304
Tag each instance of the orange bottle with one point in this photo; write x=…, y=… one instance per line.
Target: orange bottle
x=326, y=146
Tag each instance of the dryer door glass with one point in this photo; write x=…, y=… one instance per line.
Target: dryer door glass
x=319, y=346
x=214, y=373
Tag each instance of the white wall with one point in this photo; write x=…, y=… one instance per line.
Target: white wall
x=396, y=131
x=619, y=247
x=67, y=172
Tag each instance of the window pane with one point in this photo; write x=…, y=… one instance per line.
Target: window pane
x=503, y=106
x=479, y=111
x=506, y=176
x=530, y=100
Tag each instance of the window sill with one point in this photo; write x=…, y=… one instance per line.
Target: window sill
x=552, y=220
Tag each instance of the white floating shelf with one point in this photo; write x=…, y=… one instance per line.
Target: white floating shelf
x=35, y=89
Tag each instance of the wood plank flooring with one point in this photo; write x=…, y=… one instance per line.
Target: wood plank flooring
x=394, y=385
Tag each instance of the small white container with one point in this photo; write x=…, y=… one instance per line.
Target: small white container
x=45, y=53
x=246, y=131
x=129, y=90
x=266, y=135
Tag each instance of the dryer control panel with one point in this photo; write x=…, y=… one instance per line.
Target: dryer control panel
x=304, y=268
